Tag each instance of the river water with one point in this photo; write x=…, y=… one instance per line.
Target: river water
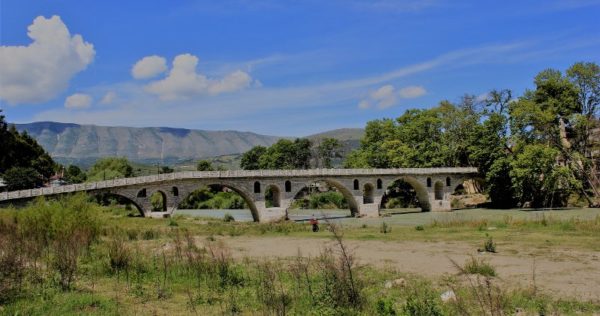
x=244, y=215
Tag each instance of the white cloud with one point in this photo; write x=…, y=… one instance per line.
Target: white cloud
x=78, y=101
x=41, y=70
x=108, y=98
x=387, y=96
x=412, y=92
x=183, y=82
x=148, y=67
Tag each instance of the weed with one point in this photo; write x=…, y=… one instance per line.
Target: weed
x=474, y=266
x=385, y=228
x=228, y=218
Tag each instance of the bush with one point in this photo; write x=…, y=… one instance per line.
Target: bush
x=422, y=301
x=480, y=267
x=228, y=218
x=489, y=245
x=385, y=228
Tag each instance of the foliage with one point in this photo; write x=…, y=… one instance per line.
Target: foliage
x=19, y=150
x=19, y=178
x=73, y=174
x=327, y=150
x=204, y=165
x=474, y=266
x=110, y=168
x=532, y=150
x=250, y=159
x=284, y=154
x=213, y=197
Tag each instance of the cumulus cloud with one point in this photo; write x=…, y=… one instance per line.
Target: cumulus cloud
x=78, y=101
x=108, y=98
x=183, y=81
x=387, y=96
x=41, y=70
x=148, y=67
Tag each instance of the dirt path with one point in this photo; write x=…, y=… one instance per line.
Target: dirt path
x=561, y=273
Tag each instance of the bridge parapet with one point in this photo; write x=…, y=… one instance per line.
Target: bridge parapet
x=236, y=174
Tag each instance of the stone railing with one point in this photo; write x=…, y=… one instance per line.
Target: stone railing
x=254, y=174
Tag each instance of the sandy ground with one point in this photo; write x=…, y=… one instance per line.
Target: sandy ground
x=560, y=273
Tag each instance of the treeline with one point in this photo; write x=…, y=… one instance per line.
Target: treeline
x=533, y=150
x=23, y=162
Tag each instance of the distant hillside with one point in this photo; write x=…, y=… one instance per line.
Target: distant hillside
x=342, y=134
x=83, y=144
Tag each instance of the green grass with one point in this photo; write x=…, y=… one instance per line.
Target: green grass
x=149, y=266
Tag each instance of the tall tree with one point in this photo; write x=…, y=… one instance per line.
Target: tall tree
x=327, y=150
x=251, y=159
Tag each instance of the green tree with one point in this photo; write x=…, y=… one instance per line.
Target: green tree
x=20, y=178
x=204, y=165
x=287, y=154
x=251, y=159
x=538, y=179
x=327, y=150
x=110, y=168
x=73, y=174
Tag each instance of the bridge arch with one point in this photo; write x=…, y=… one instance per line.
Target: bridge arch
x=232, y=186
x=420, y=190
x=368, y=193
x=352, y=205
x=163, y=201
x=272, y=195
x=129, y=199
x=438, y=190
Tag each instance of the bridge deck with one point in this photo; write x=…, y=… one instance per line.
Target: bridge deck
x=230, y=174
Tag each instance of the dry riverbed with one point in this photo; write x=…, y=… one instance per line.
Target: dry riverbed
x=558, y=272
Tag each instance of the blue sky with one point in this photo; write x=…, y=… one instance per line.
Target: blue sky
x=275, y=67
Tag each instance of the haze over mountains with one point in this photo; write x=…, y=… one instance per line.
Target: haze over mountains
x=83, y=144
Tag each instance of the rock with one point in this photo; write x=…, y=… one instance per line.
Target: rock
x=399, y=282
x=448, y=296
x=394, y=283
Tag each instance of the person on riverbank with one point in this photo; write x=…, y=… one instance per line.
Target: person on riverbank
x=315, y=224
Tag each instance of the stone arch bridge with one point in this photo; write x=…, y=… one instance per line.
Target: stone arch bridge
x=362, y=188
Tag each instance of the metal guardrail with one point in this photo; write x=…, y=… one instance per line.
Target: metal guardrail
x=230, y=174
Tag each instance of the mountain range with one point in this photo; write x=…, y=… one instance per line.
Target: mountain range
x=70, y=143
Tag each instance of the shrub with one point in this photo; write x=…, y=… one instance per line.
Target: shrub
x=228, y=218
x=119, y=254
x=385, y=307
x=385, y=228
x=489, y=245
x=422, y=301
x=419, y=227
x=474, y=266
x=150, y=234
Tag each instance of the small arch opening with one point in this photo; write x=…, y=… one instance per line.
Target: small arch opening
x=175, y=191
x=368, y=194
x=448, y=181
x=288, y=186
x=356, y=184
x=272, y=196
x=158, y=201
x=429, y=182
x=439, y=191
x=141, y=193
x=379, y=184
x=256, y=187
